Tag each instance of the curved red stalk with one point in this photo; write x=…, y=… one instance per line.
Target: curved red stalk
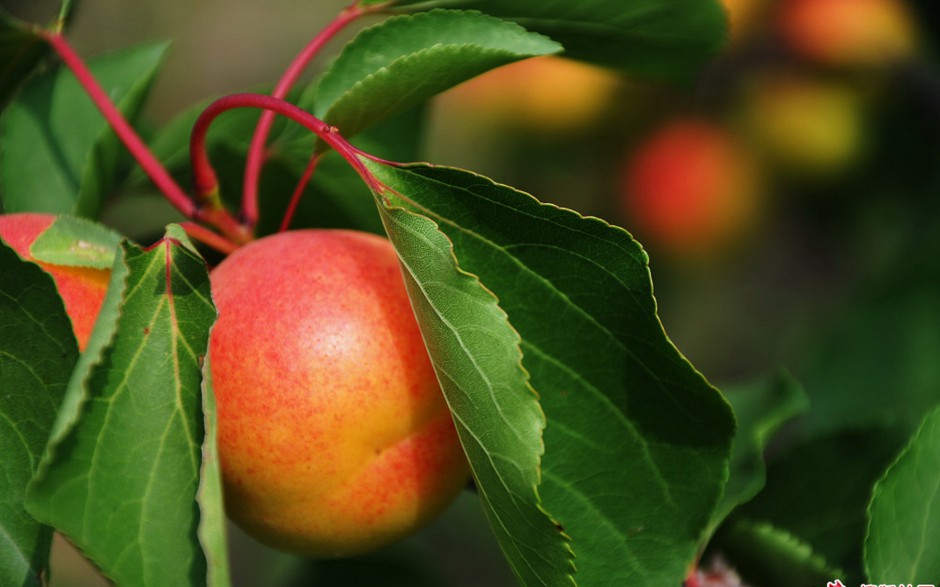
x=203, y=173
x=151, y=166
x=256, y=151
x=213, y=214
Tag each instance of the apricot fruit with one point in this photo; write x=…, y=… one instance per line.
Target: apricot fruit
x=546, y=95
x=82, y=288
x=334, y=436
x=812, y=127
x=851, y=33
x=691, y=188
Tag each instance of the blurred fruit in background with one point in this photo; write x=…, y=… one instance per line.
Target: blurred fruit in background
x=544, y=94
x=744, y=17
x=691, y=189
x=848, y=33
x=804, y=124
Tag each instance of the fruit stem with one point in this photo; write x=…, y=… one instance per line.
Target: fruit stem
x=203, y=173
x=151, y=166
x=213, y=214
x=207, y=237
x=298, y=191
x=256, y=150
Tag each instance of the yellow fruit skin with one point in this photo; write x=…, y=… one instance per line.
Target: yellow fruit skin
x=808, y=126
x=82, y=288
x=541, y=94
x=334, y=435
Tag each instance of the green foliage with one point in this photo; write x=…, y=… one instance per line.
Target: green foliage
x=600, y=454
x=37, y=354
x=406, y=60
x=636, y=443
x=819, y=491
x=211, y=529
x=119, y=476
x=57, y=154
x=874, y=363
x=667, y=39
x=761, y=409
x=904, y=529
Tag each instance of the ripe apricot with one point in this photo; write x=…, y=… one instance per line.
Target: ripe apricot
x=334, y=435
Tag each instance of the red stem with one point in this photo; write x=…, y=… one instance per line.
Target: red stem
x=256, y=151
x=151, y=166
x=298, y=191
x=202, y=169
x=155, y=170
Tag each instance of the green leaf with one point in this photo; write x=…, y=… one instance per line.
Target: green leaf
x=477, y=358
x=904, y=517
x=667, y=39
x=57, y=153
x=820, y=490
x=762, y=408
x=771, y=557
x=530, y=309
x=211, y=531
x=37, y=354
x=121, y=471
x=76, y=242
x=21, y=50
x=405, y=60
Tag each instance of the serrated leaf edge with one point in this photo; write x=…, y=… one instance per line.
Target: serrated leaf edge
x=382, y=200
x=381, y=29
x=789, y=539
x=718, y=395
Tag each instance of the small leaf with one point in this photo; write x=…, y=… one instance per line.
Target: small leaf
x=405, y=60
x=636, y=442
x=37, y=354
x=771, y=557
x=121, y=471
x=904, y=515
x=76, y=242
x=667, y=39
x=57, y=154
x=761, y=408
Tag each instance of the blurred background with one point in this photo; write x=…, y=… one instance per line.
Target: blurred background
x=788, y=199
